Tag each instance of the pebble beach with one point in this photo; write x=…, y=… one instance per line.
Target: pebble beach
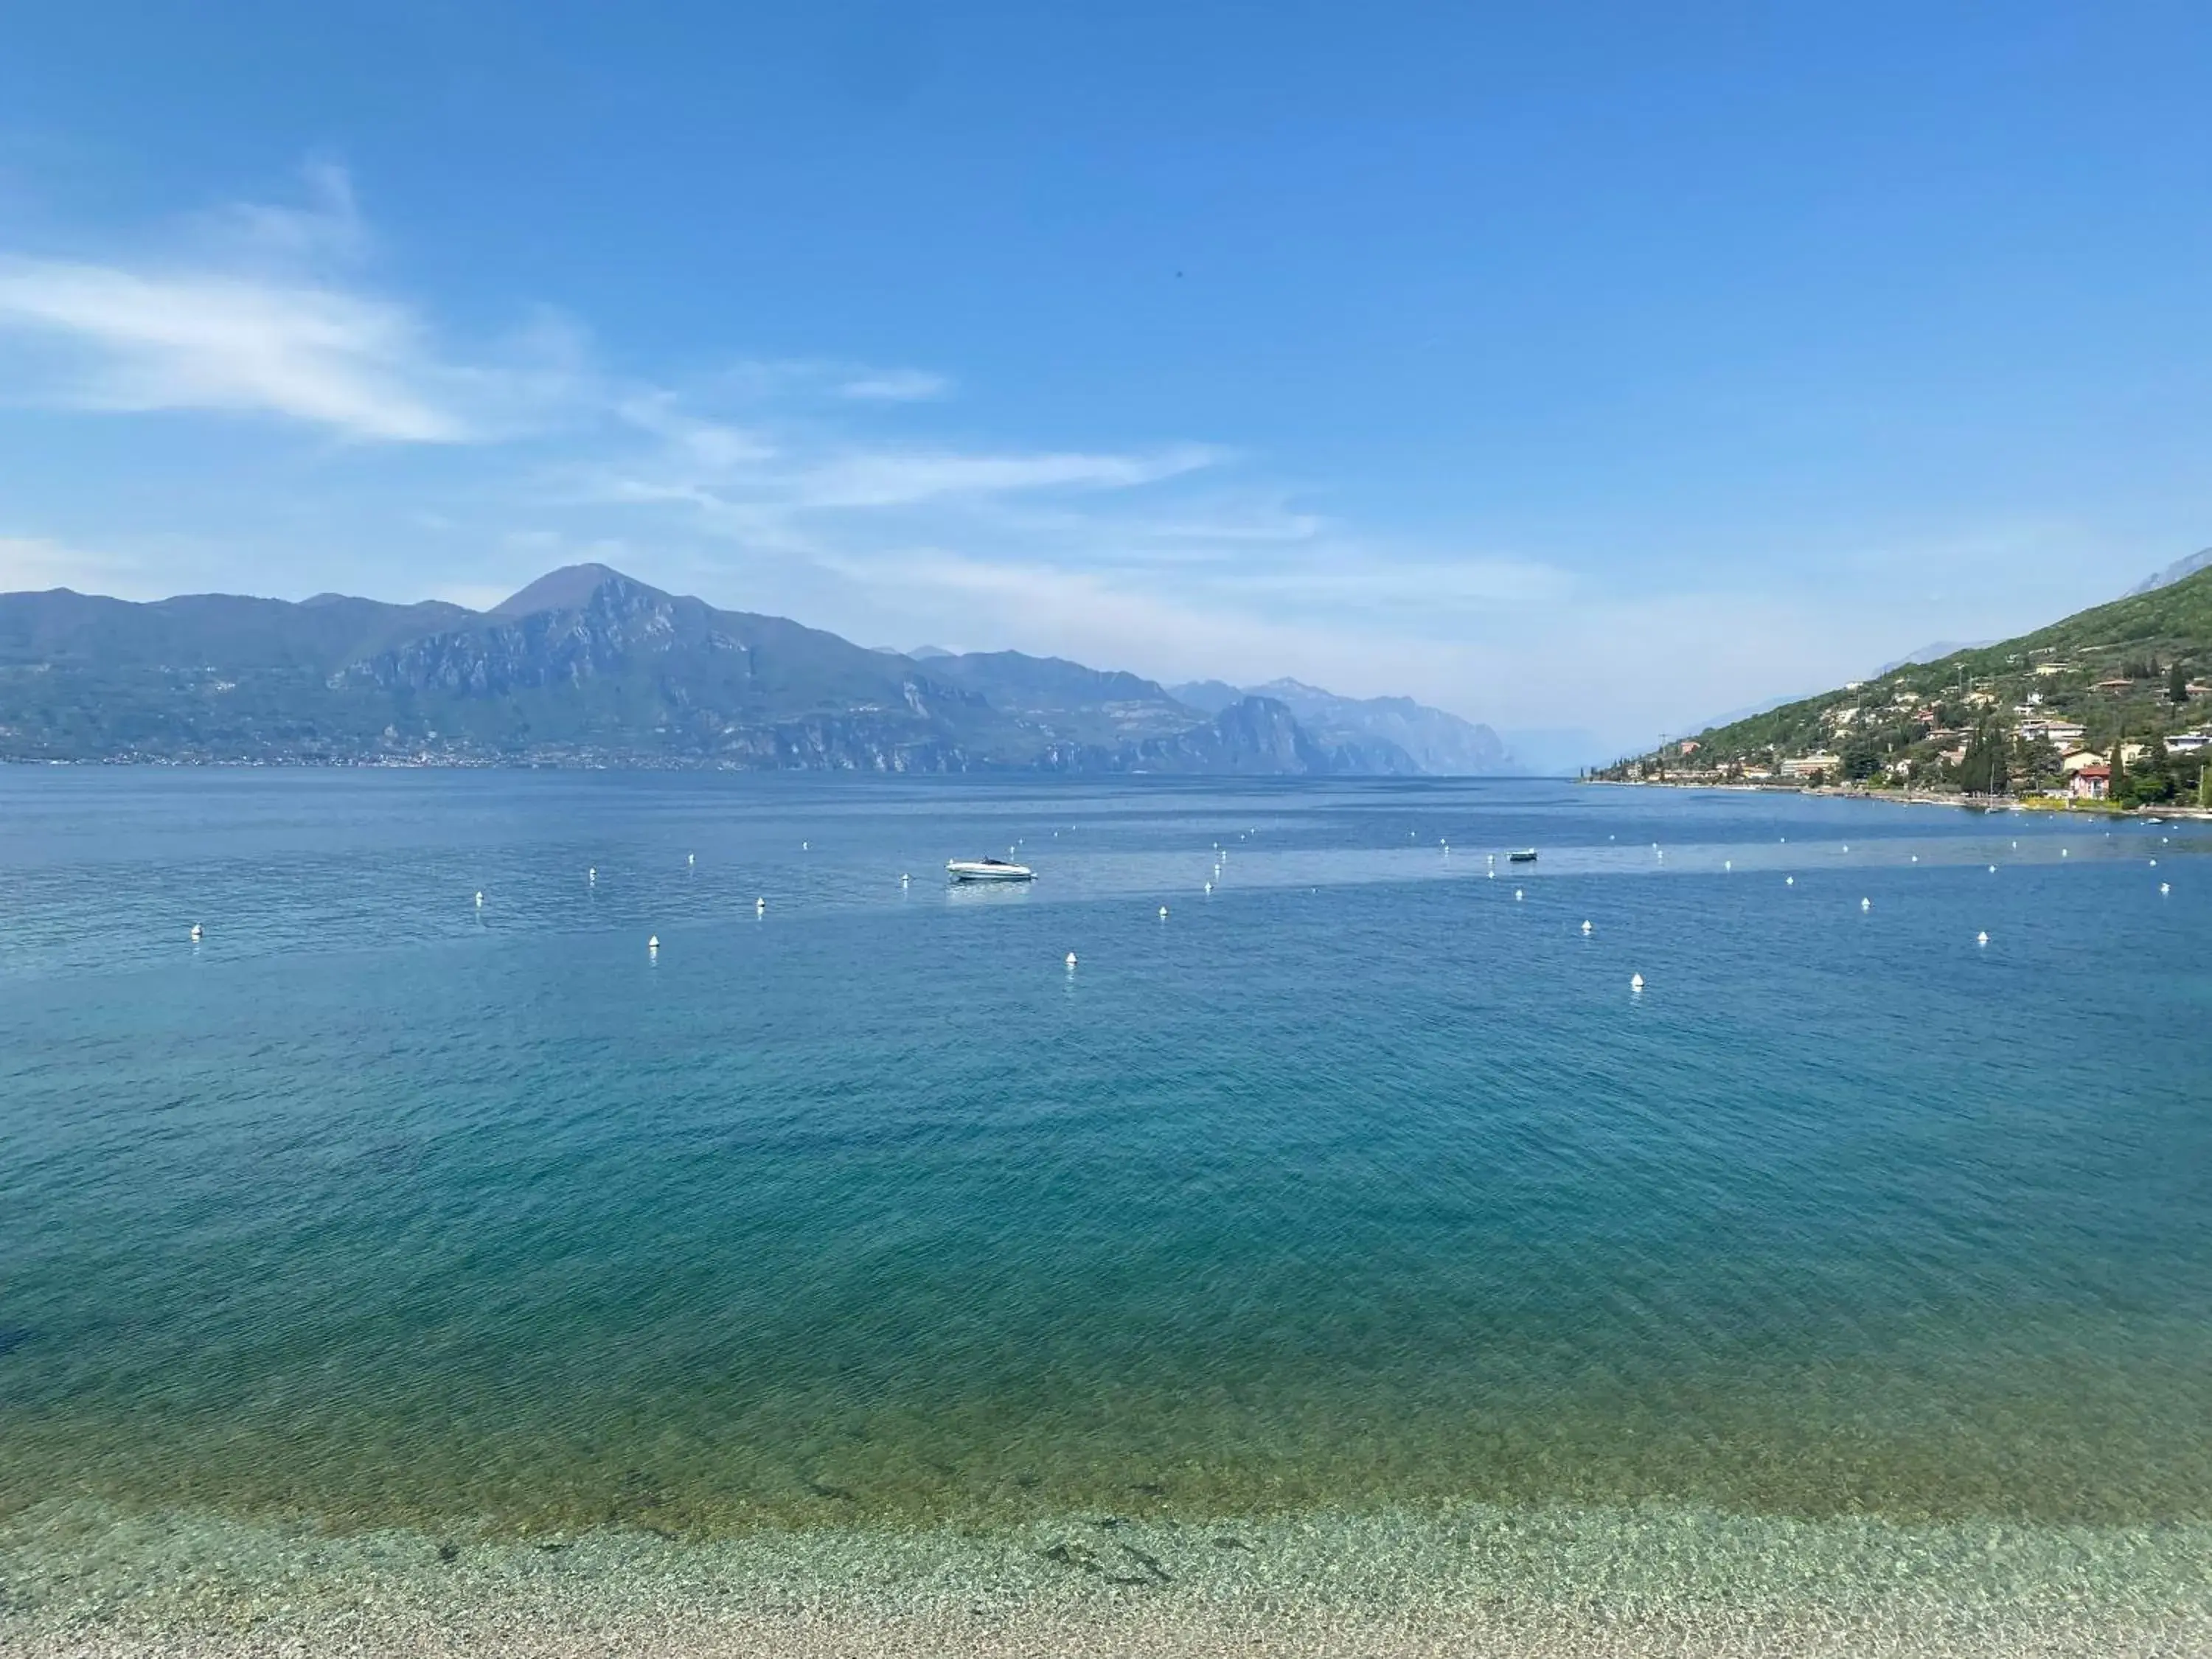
x=80, y=1580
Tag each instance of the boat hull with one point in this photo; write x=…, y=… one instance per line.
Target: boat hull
x=964, y=869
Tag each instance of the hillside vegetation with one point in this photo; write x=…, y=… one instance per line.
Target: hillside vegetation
x=2124, y=689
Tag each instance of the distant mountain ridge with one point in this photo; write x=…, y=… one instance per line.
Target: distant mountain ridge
x=587, y=666
x=2173, y=573
x=1934, y=651
x=1426, y=740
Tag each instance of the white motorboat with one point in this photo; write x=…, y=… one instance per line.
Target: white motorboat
x=987, y=870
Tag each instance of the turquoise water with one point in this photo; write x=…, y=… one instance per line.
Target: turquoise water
x=1364, y=1181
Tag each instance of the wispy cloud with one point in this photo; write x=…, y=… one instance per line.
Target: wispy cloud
x=696, y=447
x=326, y=227
x=123, y=341
x=261, y=314
x=899, y=385
x=786, y=381
x=776, y=476
x=897, y=477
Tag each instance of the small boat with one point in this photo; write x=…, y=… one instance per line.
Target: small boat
x=987, y=870
x=1527, y=855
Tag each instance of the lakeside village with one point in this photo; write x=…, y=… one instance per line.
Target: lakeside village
x=2044, y=731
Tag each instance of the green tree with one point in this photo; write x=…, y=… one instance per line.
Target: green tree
x=2154, y=779
x=2177, y=684
x=2037, y=765
x=1982, y=769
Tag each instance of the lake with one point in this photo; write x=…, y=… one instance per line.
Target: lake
x=1349, y=1240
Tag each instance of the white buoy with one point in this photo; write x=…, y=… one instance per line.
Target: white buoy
x=1993, y=869
x=2063, y=852
x=1981, y=939
x=1916, y=858
x=591, y=875
x=479, y=900
x=760, y=907
x=1728, y=863
x=1788, y=881
x=2164, y=888
x=1209, y=888
x=1163, y=913
x=2153, y=864
x=904, y=879
x=196, y=932
x=1847, y=847
x=1516, y=893
x=1866, y=904
x=1586, y=927
x=1071, y=961
x=804, y=845
x=1636, y=981
x=653, y=942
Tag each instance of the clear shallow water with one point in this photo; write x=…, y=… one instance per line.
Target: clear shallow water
x=1361, y=1182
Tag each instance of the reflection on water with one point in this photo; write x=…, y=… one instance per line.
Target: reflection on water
x=988, y=892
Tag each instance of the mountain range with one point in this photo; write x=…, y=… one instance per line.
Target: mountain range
x=588, y=667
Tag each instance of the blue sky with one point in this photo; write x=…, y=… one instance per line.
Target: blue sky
x=1593, y=366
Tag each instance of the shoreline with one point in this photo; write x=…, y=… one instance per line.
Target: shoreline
x=1571, y=1582
x=2049, y=807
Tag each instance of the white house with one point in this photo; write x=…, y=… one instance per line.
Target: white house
x=1803, y=766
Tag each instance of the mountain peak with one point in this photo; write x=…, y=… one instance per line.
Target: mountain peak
x=2173, y=573
x=569, y=589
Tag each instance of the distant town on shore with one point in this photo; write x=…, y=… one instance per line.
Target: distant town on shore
x=2110, y=709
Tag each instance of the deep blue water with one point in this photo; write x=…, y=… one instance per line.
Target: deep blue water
x=1365, y=1178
